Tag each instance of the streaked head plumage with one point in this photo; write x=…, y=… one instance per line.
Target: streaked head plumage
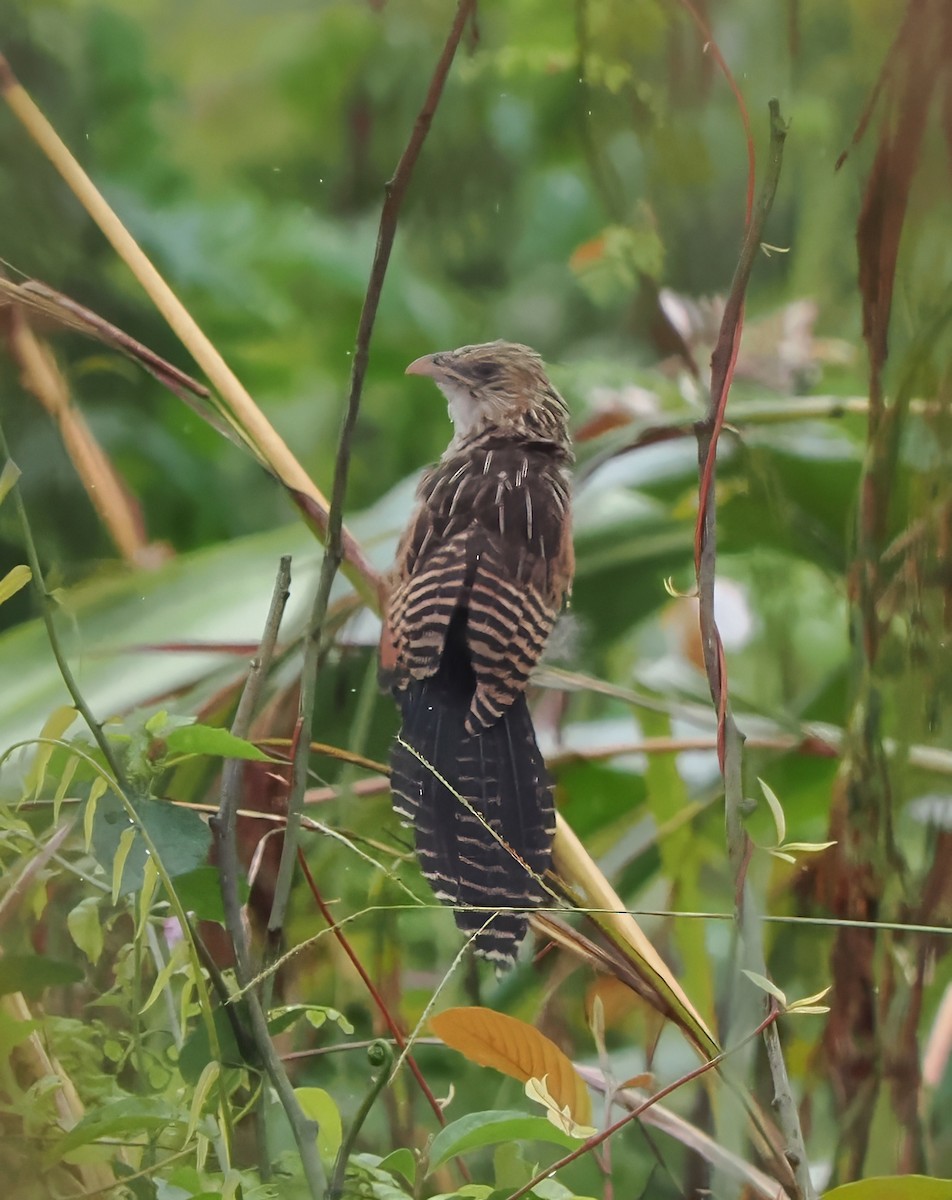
x=497, y=383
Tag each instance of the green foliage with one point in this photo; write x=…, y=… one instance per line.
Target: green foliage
x=583, y=157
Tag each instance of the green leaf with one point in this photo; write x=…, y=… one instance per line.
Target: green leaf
x=209, y=739
x=488, y=1129
x=776, y=811
x=32, y=975
x=126, y=840
x=320, y=1107
x=894, y=1187
x=400, y=1162
x=13, y=581
x=135, y=1114
x=55, y=725
x=13, y=1032
x=196, y=1054
x=315, y=1014
x=207, y=1080
x=199, y=892
x=181, y=838
x=84, y=923
x=8, y=477
x=766, y=985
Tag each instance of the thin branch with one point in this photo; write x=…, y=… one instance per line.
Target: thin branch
x=333, y=551
x=597, y=1139
x=730, y=739
x=224, y=824
x=46, y=609
x=224, y=827
x=371, y=988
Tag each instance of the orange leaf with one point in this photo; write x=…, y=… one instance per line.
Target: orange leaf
x=517, y=1049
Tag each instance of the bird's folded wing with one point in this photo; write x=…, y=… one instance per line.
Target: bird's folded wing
x=491, y=535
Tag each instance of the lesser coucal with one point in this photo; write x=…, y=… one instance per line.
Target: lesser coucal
x=480, y=577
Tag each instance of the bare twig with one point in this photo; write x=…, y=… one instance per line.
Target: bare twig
x=224, y=824
x=371, y=988
x=333, y=551
x=597, y=1139
x=46, y=608
x=729, y=737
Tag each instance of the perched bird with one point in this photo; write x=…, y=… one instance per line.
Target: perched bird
x=480, y=577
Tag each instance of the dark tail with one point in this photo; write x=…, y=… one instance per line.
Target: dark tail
x=500, y=772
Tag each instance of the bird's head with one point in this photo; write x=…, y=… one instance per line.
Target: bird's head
x=497, y=385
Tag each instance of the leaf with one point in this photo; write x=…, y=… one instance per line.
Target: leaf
x=181, y=838
x=776, y=811
x=15, y=579
x=84, y=923
x=894, y=1187
x=488, y=1129
x=55, y=725
x=177, y=959
x=207, y=1080
x=199, y=892
x=561, y=1118
x=32, y=975
x=13, y=1032
x=320, y=1107
x=209, y=739
x=132, y=1115
x=400, y=1162
x=517, y=1049
x=8, y=477
x=196, y=1054
x=766, y=985
x=315, y=1014
x=126, y=840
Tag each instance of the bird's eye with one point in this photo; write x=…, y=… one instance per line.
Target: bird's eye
x=483, y=371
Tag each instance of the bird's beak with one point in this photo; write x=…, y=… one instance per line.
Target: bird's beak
x=426, y=365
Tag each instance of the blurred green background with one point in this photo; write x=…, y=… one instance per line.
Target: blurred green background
x=582, y=190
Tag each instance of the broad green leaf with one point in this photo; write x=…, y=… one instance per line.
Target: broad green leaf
x=400, y=1162
x=320, y=1107
x=116, y=1118
x=121, y=619
x=199, y=892
x=196, y=1054
x=488, y=1129
x=84, y=923
x=32, y=975
x=207, y=739
x=15, y=579
x=181, y=838
x=893, y=1187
